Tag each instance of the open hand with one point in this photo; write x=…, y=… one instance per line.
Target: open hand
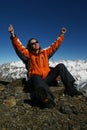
x=11, y=29
x=63, y=31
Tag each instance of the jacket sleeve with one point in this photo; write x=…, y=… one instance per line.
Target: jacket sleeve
x=53, y=48
x=21, y=51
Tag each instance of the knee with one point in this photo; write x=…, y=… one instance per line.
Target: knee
x=35, y=77
x=60, y=65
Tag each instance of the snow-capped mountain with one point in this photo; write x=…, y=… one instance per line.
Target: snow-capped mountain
x=16, y=70
x=78, y=68
x=13, y=70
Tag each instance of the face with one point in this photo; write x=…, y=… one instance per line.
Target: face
x=34, y=43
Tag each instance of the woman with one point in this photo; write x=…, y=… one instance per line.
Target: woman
x=39, y=73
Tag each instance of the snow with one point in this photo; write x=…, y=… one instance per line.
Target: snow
x=75, y=67
x=16, y=70
x=17, y=64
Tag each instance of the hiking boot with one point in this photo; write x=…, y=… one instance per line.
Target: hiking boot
x=49, y=103
x=41, y=94
x=46, y=98
x=72, y=91
x=42, y=98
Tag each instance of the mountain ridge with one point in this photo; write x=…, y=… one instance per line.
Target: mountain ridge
x=16, y=70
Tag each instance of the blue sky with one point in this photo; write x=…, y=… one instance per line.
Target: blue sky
x=43, y=19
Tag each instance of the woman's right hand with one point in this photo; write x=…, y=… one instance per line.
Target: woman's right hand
x=11, y=29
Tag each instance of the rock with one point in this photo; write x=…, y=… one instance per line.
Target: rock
x=70, y=113
x=84, y=90
x=2, y=87
x=11, y=102
x=57, y=91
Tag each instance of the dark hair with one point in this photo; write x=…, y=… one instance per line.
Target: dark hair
x=29, y=46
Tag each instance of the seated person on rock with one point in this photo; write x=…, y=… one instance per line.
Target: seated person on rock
x=40, y=75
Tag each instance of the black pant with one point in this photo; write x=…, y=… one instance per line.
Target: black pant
x=36, y=83
x=60, y=70
x=39, y=89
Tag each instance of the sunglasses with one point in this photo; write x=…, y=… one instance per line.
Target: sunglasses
x=34, y=43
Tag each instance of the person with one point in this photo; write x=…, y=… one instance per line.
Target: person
x=40, y=75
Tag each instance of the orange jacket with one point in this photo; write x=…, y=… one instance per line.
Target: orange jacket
x=38, y=63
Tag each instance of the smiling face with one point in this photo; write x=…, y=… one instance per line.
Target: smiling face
x=34, y=44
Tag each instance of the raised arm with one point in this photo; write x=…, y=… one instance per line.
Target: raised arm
x=19, y=48
x=54, y=46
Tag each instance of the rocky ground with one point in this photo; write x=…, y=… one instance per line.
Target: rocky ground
x=70, y=113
